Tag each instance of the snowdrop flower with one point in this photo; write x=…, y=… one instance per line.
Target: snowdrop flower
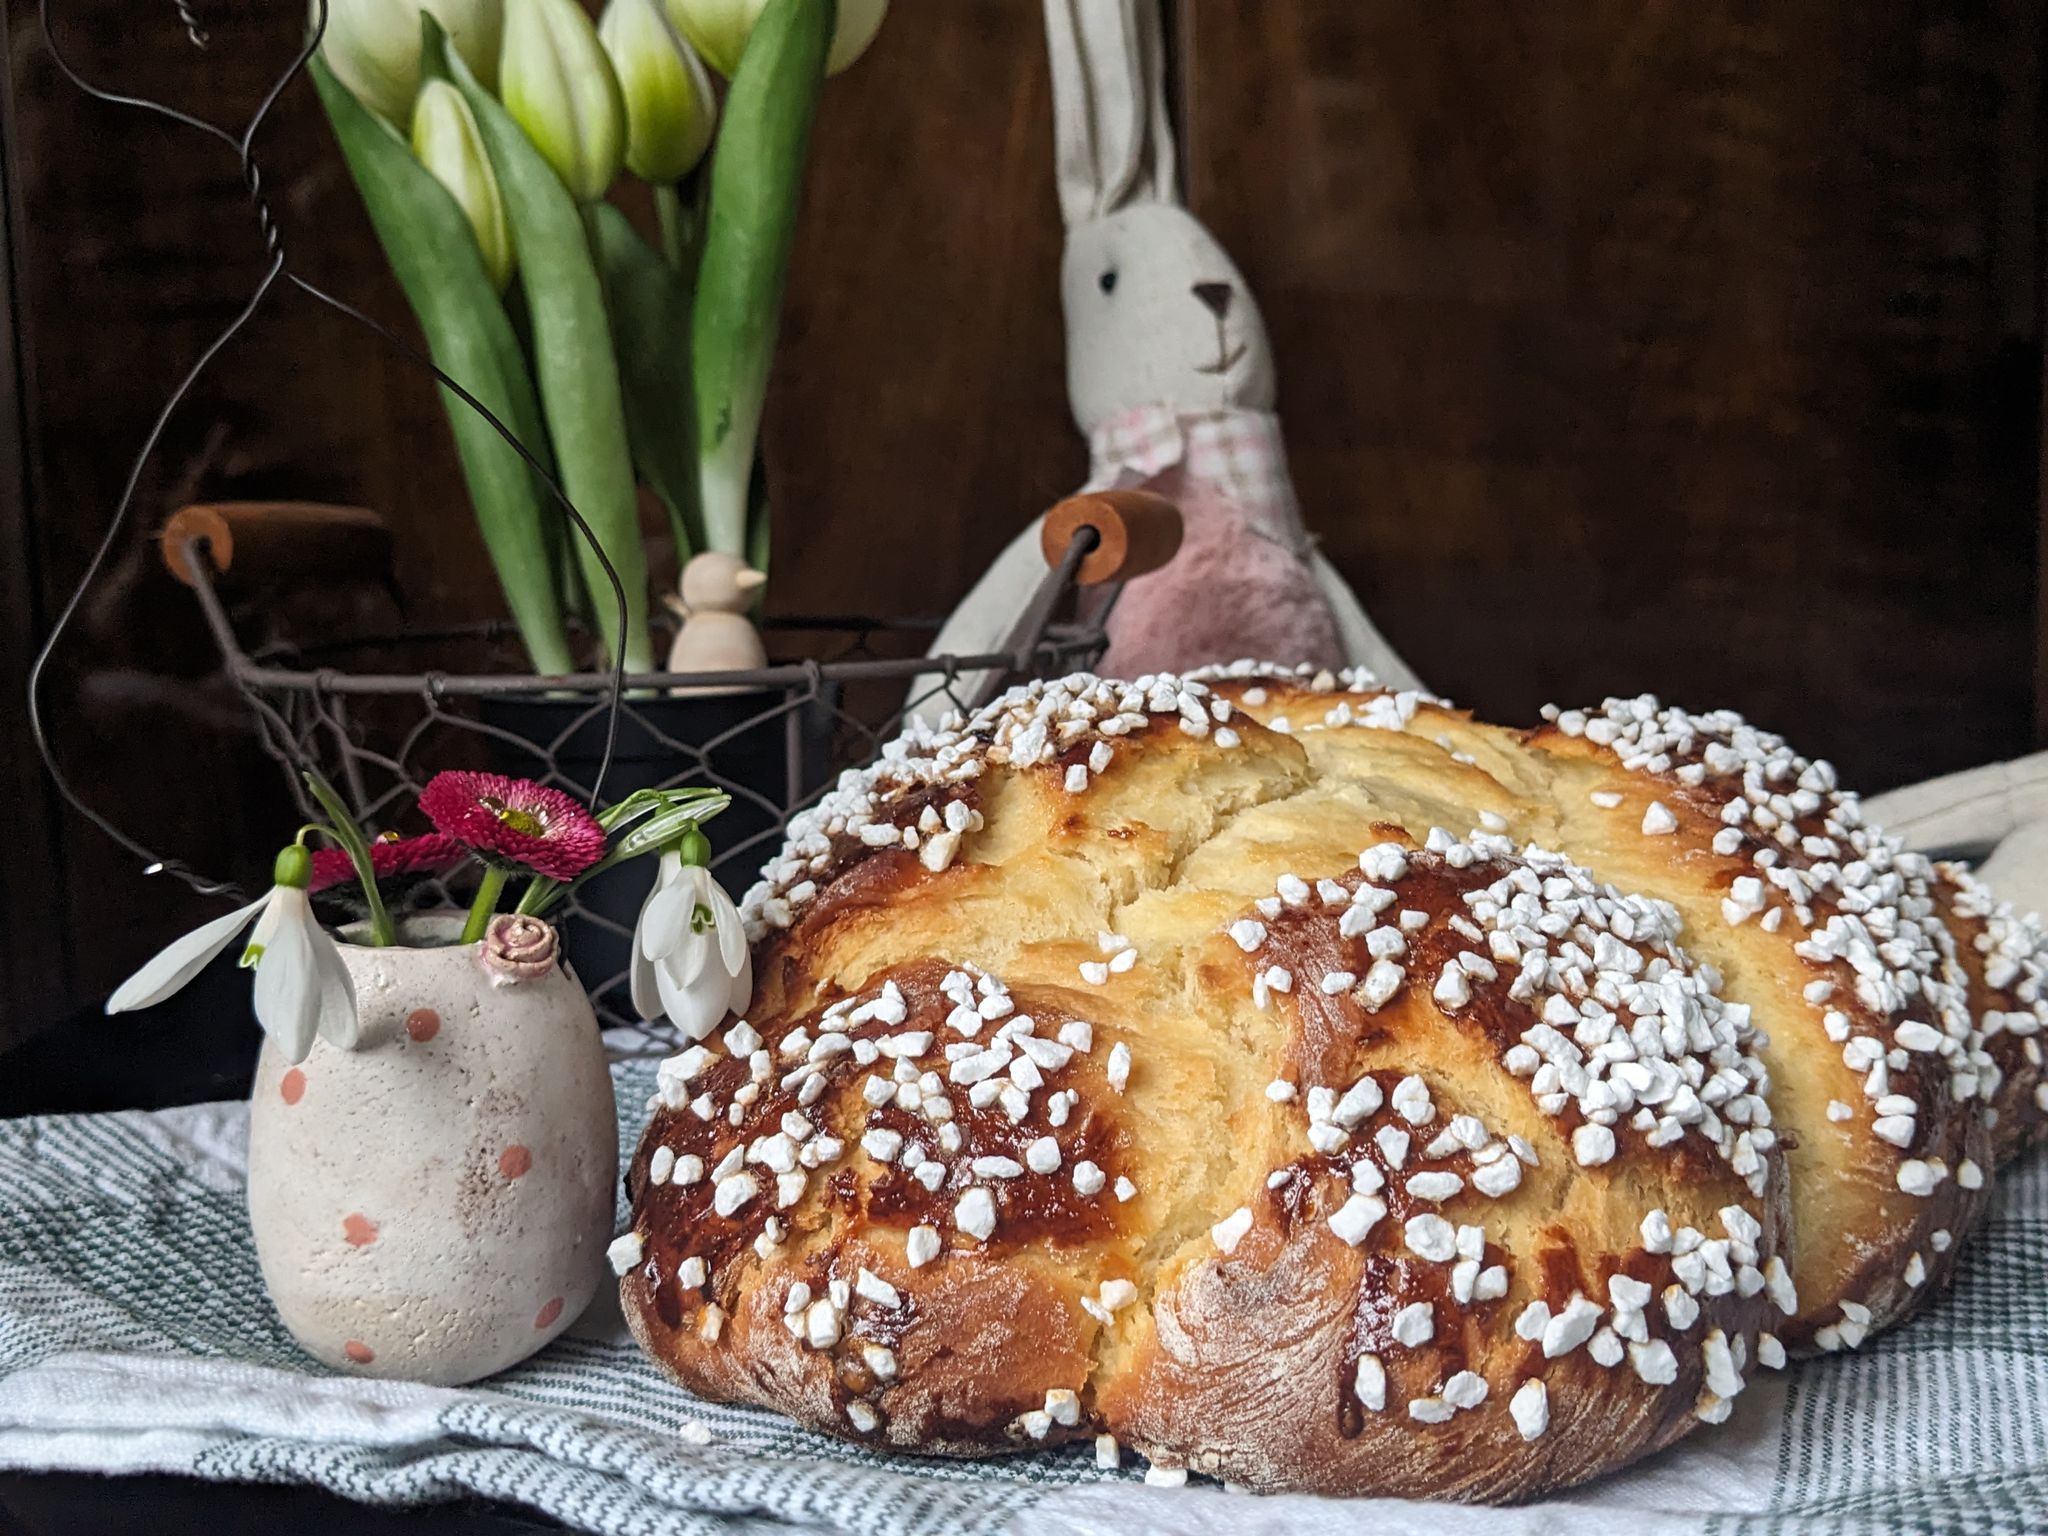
x=690, y=958
x=302, y=987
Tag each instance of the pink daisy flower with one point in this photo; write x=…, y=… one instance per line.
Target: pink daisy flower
x=391, y=858
x=514, y=824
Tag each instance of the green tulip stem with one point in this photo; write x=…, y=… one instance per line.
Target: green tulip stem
x=668, y=213
x=649, y=305
x=680, y=209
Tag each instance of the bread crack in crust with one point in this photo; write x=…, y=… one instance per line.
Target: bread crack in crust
x=1306, y=1084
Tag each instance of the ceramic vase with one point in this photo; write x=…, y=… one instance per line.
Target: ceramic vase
x=434, y=1204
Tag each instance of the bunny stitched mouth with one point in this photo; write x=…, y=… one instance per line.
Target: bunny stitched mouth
x=1226, y=355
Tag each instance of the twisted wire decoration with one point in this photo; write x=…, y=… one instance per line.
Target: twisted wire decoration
x=193, y=30
x=242, y=144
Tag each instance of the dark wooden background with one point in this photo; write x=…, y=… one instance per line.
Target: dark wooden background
x=1622, y=346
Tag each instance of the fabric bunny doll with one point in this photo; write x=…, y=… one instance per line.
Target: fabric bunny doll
x=1170, y=376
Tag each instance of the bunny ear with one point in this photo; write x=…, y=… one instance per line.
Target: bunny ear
x=1161, y=183
x=1110, y=128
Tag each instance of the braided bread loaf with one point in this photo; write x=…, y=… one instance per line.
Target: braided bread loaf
x=1311, y=1086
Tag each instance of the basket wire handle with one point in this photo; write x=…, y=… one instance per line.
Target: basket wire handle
x=1099, y=539
x=279, y=267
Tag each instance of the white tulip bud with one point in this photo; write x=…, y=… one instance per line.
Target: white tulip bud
x=670, y=108
x=718, y=29
x=445, y=140
x=556, y=81
x=373, y=47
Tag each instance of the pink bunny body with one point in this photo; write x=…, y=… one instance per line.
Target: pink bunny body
x=1242, y=584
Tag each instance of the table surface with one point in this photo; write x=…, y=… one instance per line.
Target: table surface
x=198, y=1046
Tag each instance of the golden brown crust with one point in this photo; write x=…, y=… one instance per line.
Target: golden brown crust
x=1254, y=1383
x=981, y=1324
x=1827, y=929
x=2005, y=955
x=984, y=1342
x=1887, y=1148
x=1419, y=1158
x=1247, y=1364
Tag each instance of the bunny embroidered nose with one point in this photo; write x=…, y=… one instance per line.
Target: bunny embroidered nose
x=1216, y=296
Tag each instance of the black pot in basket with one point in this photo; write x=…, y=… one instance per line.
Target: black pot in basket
x=764, y=747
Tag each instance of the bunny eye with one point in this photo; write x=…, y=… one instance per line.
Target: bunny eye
x=1107, y=282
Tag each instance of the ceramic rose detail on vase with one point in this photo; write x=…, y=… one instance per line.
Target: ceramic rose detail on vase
x=432, y=1137
x=519, y=948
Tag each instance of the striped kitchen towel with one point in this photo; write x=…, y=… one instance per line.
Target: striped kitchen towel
x=135, y=1336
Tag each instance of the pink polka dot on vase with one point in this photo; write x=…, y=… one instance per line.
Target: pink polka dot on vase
x=358, y=1229
x=292, y=1086
x=359, y=1352
x=423, y=1024
x=515, y=1161
x=546, y=1316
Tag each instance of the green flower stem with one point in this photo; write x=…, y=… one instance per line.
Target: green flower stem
x=668, y=213
x=680, y=209
x=649, y=303
x=485, y=907
x=349, y=835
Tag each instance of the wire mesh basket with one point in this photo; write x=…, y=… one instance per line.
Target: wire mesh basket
x=773, y=738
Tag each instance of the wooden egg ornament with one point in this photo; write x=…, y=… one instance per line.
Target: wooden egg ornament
x=714, y=595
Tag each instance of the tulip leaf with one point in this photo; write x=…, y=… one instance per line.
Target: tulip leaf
x=434, y=254
x=757, y=172
x=574, y=364
x=650, y=309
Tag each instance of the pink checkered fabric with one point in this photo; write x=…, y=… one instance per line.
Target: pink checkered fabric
x=1235, y=456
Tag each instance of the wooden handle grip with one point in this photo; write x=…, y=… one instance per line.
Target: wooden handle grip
x=1140, y=532
x=264, y=543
